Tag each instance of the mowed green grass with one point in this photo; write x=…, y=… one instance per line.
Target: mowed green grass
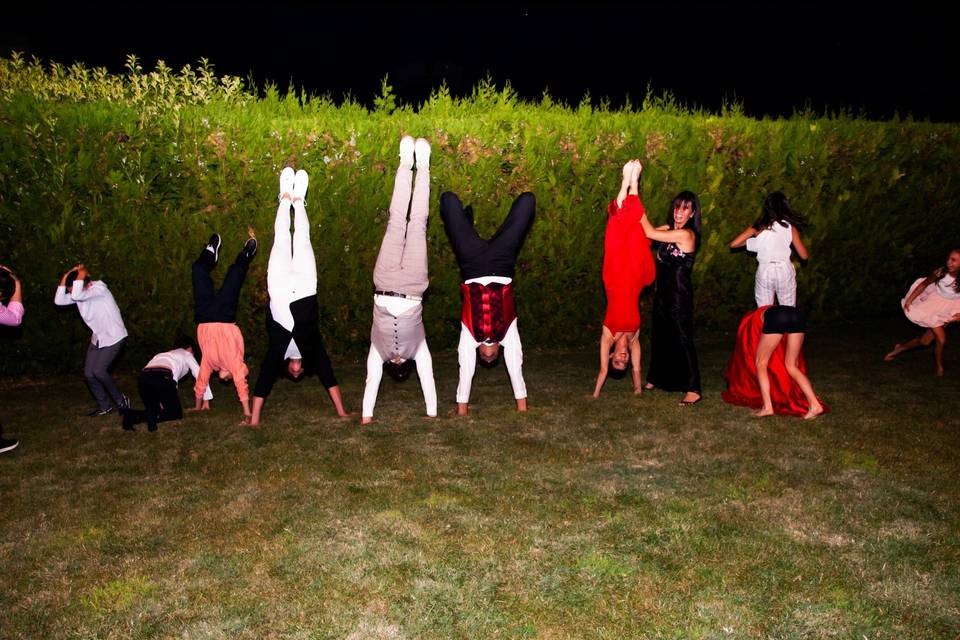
x=624, y=517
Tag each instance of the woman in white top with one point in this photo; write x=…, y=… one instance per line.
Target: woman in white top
x=771, y=237
x=158, y=386
x=100, y=312
x=933, y=303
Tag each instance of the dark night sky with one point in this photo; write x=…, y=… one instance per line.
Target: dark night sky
x=773, y=59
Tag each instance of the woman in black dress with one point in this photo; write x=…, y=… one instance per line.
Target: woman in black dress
x=673, y=359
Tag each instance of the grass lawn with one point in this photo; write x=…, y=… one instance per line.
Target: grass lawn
x=626, y=517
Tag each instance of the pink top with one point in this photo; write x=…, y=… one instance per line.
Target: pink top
x=12, y=314
x=221, y=345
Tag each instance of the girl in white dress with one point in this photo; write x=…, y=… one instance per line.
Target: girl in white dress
x=771, y=237
x=933, y=303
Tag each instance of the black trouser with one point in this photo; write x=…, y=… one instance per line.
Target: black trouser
x=219, y=306
x=158, y=390
x=498, y=255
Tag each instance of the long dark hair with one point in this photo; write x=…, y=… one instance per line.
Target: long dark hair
x=942, y=272
x=399, y=372
x=776, y=209
x=7, y=286
x=694, y=223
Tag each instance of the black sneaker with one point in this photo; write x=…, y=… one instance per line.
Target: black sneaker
x=213, y=246
x=100, y=412
x=250, y=248
x=125, y=403
x=6, y=444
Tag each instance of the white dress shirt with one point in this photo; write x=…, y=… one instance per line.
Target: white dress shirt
x=180, y=362
x=510, y=346
x=97, y=308
x=424, y=362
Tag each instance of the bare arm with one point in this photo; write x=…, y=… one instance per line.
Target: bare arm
x=17, y=291
x=798, y=244
x=255, y=412
x=337, y=401
x=741, y=239
x=635, y=362
x=606, y=341
x=683, y=237
x=917, y=290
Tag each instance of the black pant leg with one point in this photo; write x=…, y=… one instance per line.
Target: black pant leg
x=204, y=297
x=169, y=395
x=160, y=396
x=506, y=242
x=467, y=245
x=228, y=297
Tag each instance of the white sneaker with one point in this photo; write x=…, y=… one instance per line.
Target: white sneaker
x=406, y=151
x=422, y=148
x=300, y=183
x=286, y=182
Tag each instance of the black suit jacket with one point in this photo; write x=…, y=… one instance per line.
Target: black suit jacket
x=306, y=332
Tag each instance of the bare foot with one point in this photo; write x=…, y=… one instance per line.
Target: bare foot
x=627, y=171
x=648, y=387
x=762, y=413
x=635, y=171
x=366, y=420
x=939, y=372
x=814, y=411
x=893, y=354
x=691, y=397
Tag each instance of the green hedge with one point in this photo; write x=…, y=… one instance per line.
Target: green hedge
x=131, y=173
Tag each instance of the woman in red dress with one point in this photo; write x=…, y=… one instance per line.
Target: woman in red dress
x=627, y=269
x=767, y=371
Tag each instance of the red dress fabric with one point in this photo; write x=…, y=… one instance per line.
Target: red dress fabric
x=742, y=386
x=627, y=265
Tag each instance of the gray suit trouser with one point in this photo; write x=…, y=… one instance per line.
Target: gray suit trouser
x=98, y=377
x=402, y=263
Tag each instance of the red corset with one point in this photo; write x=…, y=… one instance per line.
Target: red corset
x=488, y=310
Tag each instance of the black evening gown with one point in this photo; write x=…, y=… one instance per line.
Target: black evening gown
x=673, y=358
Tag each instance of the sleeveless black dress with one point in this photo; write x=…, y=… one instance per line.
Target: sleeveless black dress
x=673, y=358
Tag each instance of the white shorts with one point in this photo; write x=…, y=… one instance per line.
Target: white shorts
x=776, y=279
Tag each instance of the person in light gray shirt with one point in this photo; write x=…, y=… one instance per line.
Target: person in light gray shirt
x=100, y=312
